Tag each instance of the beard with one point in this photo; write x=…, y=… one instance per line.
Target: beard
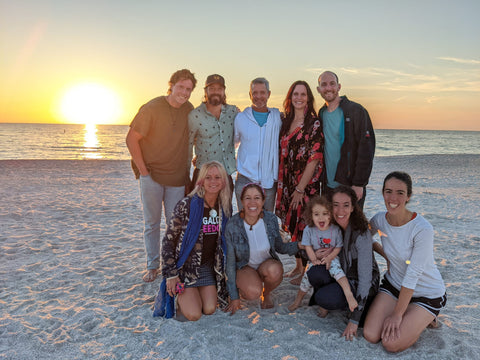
x=330, y=95
x=215, y=100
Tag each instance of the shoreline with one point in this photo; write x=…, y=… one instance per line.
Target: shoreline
x=377, y=157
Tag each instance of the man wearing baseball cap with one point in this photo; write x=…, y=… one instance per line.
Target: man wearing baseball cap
x=211, y=129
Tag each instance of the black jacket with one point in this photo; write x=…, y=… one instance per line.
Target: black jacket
x=358, y=149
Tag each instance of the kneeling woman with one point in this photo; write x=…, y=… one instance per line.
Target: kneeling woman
x=253, y=239
x=412, y=291
x=356, y=259
x=193, y=247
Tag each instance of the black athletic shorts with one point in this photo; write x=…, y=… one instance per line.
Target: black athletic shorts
x=433, y=306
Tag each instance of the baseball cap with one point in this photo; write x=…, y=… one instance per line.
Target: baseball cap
x=215, y=79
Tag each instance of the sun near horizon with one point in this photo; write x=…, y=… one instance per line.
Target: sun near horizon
x=99, y=103
x=89, y=103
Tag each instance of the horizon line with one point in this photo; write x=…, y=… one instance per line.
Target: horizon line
x=57, y=123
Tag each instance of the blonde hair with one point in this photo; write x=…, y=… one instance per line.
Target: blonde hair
x=225, y=195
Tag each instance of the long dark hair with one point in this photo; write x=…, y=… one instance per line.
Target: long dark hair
x=289, y=112
x=358, y=221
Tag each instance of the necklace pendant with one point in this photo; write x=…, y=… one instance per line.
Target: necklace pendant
x=213, y=213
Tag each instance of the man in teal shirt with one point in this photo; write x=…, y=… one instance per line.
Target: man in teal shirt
x=211, y=129
x=349, y=138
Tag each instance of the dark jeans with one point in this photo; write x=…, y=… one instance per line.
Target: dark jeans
x=326, y=291
x=328, y=294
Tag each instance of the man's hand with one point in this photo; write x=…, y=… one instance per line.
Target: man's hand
x=358, y=191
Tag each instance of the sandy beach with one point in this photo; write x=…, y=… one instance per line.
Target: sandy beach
x=72, y=259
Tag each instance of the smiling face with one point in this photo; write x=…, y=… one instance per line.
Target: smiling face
x=321, y=217
x=252, y=202
x=299, y=97
x=342, y=209
x=213, y=182
x=395, y=195
x=328, y=87
x=259, y=96
x=215, y=94
x=180, y=92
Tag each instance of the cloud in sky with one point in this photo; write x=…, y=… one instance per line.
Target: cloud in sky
x=460, y=61
x=432, y=99
x=431, y=78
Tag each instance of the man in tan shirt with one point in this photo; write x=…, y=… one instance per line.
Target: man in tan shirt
x=158, y=143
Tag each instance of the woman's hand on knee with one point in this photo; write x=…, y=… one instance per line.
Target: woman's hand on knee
x=391, y=327
x=233, y=306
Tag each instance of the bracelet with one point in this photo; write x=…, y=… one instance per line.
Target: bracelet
x=299, y=191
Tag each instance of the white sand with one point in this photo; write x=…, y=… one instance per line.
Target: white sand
x=72, y=257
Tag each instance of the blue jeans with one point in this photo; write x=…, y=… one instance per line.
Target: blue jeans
x=154, y=197
x=269, y=193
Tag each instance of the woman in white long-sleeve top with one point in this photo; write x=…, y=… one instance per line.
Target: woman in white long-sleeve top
x=412, y=292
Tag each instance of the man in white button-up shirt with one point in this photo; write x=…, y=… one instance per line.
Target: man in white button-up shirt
x=257, y=131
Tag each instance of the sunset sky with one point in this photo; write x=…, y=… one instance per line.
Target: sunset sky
x=412, y=64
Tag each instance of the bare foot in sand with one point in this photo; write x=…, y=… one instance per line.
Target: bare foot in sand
x=294, y=306
x=150, y=275
x=297, y=280
x=293, y=273
x=435, y=324
x=298, y=300
x=322, y=312
x=267, y=302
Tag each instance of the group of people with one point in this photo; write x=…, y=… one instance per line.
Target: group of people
x=307, y=170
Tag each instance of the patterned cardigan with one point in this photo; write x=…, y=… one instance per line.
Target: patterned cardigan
x=172, y=242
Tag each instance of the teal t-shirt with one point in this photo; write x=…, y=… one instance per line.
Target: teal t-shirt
x=334, y=132
x=260, y=117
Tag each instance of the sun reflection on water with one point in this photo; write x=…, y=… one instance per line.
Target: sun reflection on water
x=91, y=144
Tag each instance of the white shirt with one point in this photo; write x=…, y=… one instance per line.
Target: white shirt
x=257, y=156
x=409, y=248
x=258, y=243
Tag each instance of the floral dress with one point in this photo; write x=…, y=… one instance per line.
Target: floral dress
x=296, y=151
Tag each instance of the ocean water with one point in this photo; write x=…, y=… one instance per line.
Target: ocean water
x=63, y=142
x=77, y=142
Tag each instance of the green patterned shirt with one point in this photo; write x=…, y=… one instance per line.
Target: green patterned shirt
x=212, y=138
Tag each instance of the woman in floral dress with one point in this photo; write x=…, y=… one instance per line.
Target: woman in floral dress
x=301, y=159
